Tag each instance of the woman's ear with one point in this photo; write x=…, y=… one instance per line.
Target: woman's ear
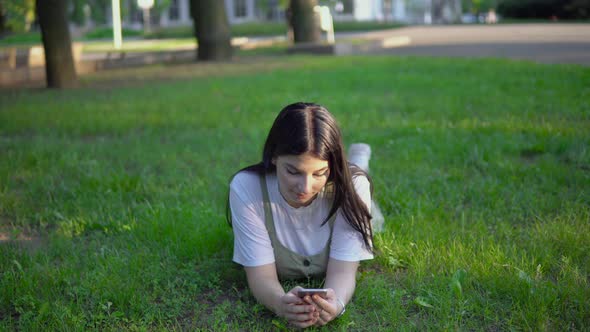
x=274, y=161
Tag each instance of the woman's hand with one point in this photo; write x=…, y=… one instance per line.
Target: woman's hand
x=328, y=307
x=298, y=312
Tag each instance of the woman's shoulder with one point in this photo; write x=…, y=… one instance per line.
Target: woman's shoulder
x=362, y=185
x=361, y=180
x=245, y=179
x=245, y=186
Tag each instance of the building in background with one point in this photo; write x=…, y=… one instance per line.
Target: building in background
x=242, y=11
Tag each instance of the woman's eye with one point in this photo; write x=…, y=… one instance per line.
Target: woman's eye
x=291, y=172
x=320, y=175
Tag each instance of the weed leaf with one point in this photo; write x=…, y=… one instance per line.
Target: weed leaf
x=457, y=281
x=421, y=301
x=18, y=266
x=455, y=286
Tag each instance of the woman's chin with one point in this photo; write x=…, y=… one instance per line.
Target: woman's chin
x=301, y=200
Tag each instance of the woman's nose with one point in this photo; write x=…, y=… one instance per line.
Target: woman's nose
x=305, y=184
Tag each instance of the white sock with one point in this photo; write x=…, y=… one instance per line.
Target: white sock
x=360, y=154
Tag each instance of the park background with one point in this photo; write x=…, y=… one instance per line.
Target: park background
x=113, y=193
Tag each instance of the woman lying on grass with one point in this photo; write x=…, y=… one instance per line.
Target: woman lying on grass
x=302, y=212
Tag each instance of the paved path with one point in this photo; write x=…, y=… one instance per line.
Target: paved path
x=547, y=43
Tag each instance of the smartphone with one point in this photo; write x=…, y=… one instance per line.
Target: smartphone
x=312, y=291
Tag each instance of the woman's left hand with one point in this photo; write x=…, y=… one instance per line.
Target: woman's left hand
x=328, y=306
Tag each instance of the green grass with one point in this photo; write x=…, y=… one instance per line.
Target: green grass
x=272, y=47
x=34, y=38
x=115, y=194
x=142, y=45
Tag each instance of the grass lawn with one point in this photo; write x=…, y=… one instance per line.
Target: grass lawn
x=141, y=45
x=112, y=196
x=269, y=46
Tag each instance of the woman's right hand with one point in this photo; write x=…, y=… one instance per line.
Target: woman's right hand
x=298, y=312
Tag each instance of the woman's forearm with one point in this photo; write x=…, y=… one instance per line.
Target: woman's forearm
x=267, y=290
x=265, y=287
x=341, y=277
x=341, y=282
x=269, y=295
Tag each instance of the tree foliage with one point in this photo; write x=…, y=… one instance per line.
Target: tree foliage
x=563, y=9
x=479, y=6
x=18, y=15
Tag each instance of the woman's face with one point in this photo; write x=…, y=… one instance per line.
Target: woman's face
x=301, y=177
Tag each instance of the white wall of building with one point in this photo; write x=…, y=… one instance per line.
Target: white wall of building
x=399, y=11
x=249, y=15
x=185, y=17
x=368, y=10
x=374, y=10
x=407, y=11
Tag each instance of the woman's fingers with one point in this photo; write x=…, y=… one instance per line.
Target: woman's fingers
x=300, y=317
x=322, y=319
x=300, y=312
x=324, y=305
x=328, y=309
x=302, y=320
x=296, y=313
x=302, y=308
x=303, y=324
x=291, y=298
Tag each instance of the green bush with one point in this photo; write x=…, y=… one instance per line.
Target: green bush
x=237, y=30
x=364, y=26
x=171, y=32
x=21, y=38
x=564, y=9
x=103, y=33
x=259, y=29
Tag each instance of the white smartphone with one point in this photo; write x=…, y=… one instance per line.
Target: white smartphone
x=312, y=291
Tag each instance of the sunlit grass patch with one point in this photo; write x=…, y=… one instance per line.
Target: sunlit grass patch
x=480, y=167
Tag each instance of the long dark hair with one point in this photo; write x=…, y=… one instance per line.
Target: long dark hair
x=309, y=128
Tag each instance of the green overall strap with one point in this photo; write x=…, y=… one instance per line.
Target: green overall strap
x=289, y=264
x=268, y=221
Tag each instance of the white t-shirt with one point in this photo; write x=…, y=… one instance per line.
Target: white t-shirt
x=298, y=229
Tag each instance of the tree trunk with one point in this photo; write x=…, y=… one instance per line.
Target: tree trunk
x=305, y=22
x=59, y=62
x=211, y=29
x=3, y=28
x=437, y=11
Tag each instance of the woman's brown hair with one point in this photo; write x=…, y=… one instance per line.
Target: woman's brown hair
x=309, y=128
